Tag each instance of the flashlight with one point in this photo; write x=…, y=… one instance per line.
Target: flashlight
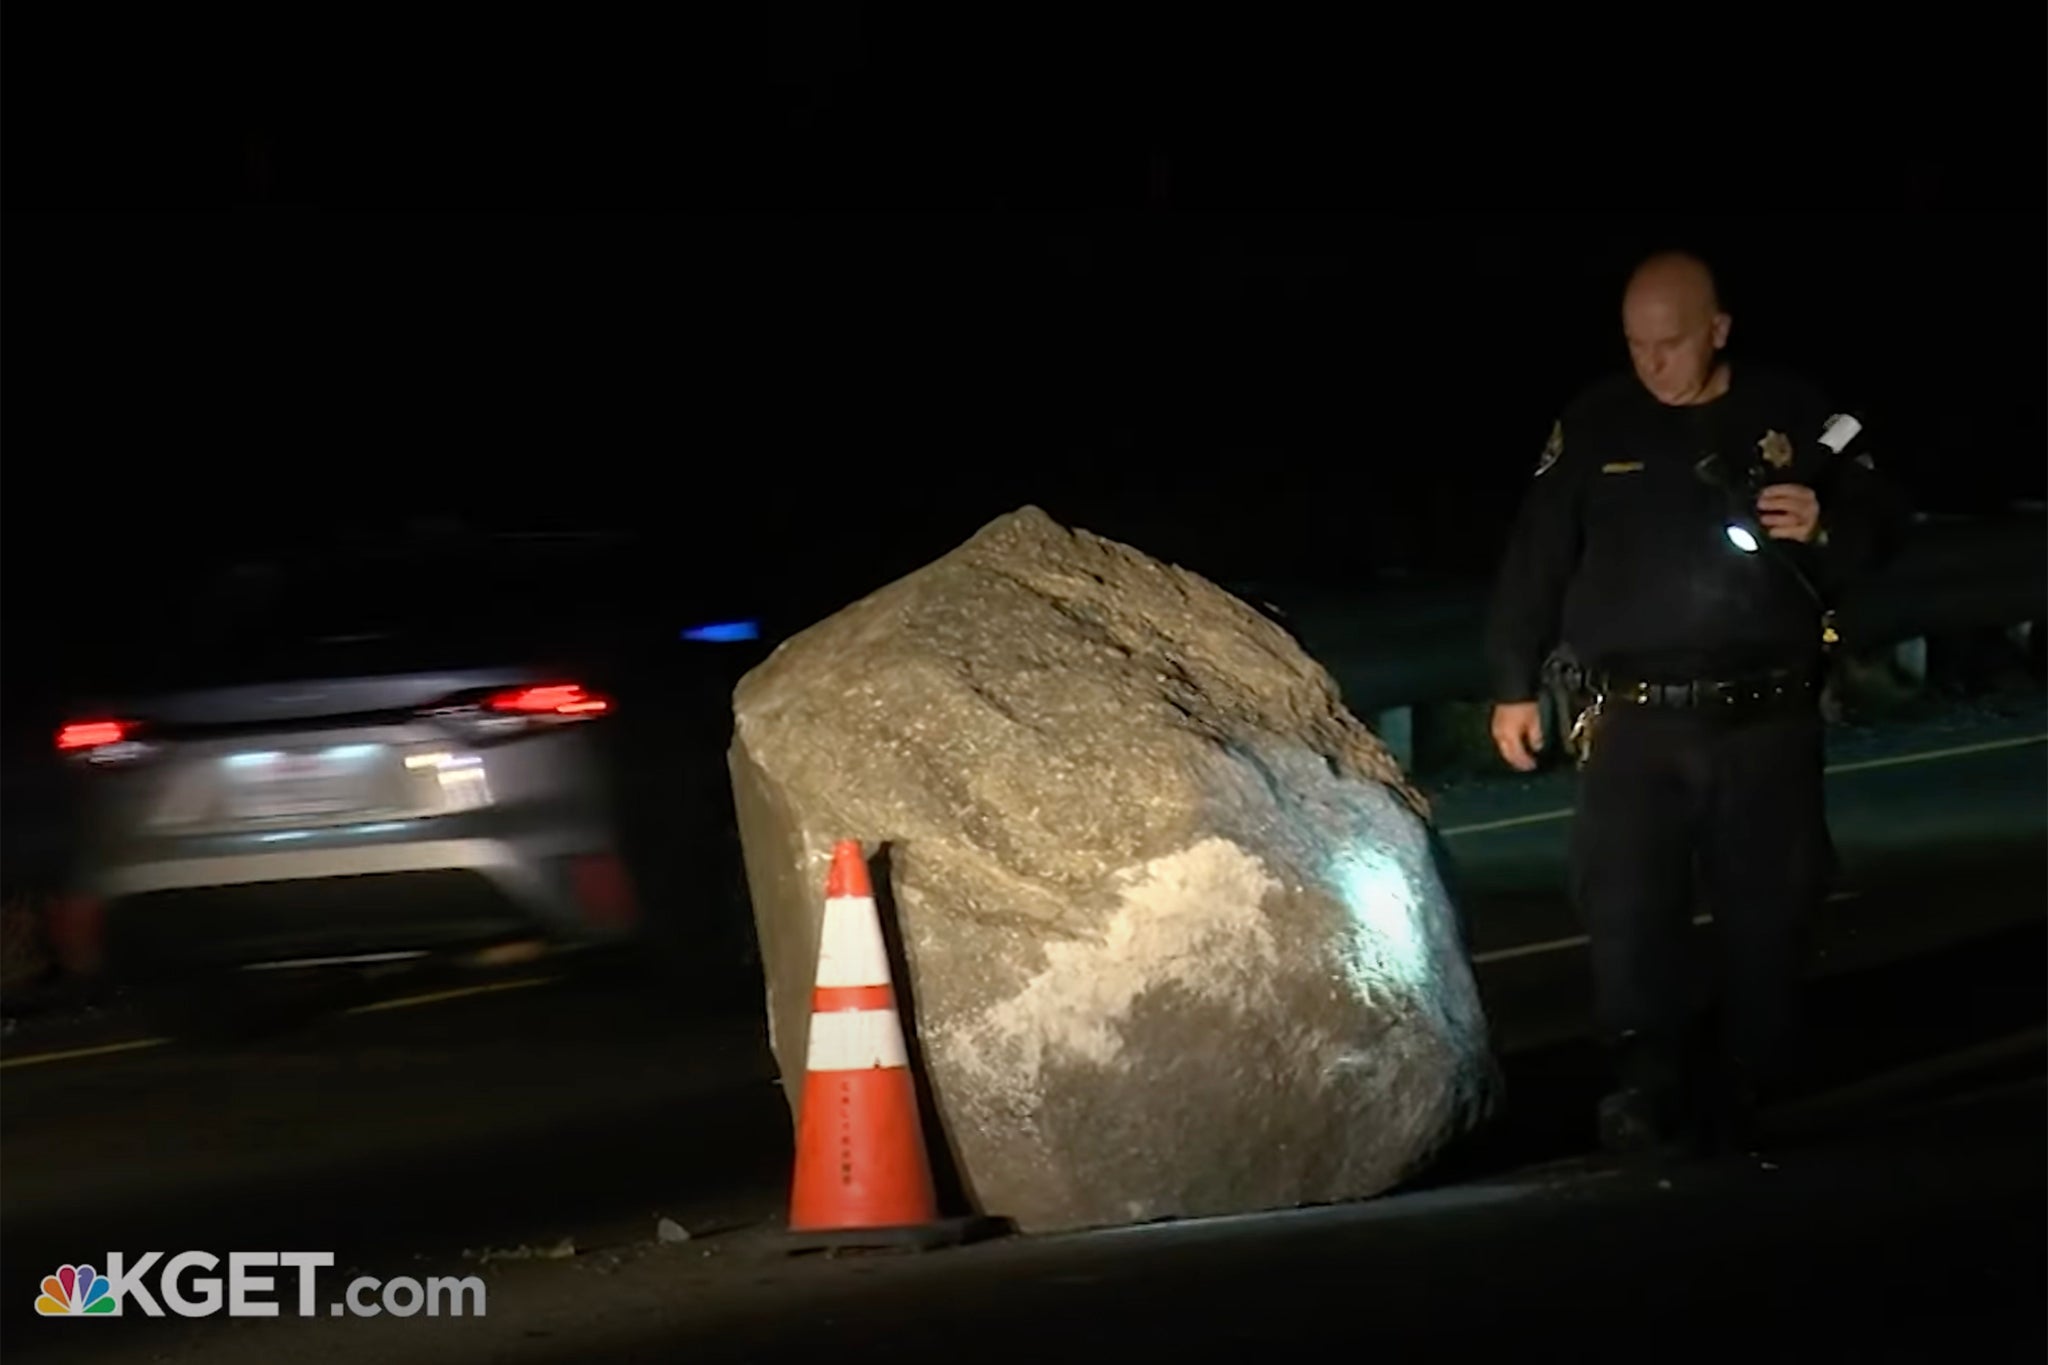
x=1742, y=528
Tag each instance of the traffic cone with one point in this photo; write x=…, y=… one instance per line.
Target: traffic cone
x=863, y=1177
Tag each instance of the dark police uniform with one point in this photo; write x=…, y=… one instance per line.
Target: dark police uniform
x=1702, y=663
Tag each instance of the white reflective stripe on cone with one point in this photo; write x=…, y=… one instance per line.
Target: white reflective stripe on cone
x=850, y=950
x=856, y=1040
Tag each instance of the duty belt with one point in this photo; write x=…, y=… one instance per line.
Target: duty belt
x=1709, y=695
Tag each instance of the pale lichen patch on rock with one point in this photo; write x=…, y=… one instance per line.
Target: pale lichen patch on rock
x=1191, y=919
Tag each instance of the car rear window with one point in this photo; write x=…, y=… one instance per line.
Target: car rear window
x=388, y=613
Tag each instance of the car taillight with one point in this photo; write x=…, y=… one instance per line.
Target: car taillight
x=513, y=711
x=101, y=742
x=556, y=699
x=91, y=734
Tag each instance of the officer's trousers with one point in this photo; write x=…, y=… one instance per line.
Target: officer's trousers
x=1682, y=814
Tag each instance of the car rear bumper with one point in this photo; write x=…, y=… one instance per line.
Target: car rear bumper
x=168, y=931
x=518, y=850
x=330, y=892
x=211, y=869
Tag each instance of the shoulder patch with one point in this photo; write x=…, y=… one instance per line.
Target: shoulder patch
x=1552, y=449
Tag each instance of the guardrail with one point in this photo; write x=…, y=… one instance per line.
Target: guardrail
x=1397, y=648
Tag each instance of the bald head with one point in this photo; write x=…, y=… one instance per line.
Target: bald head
x=1673, y=280
x=1672, y=317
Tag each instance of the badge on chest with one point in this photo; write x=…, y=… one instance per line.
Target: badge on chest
x=1775, y=450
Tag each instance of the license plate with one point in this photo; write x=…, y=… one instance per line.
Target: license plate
x=283, y=786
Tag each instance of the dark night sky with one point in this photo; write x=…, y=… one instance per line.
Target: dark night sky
x=812, y=298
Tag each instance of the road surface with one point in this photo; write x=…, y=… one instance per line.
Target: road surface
x=418, y=1117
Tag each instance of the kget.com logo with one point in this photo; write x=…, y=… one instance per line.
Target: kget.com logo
x=184, y=1287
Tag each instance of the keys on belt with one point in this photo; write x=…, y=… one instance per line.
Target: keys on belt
x=1580, y=741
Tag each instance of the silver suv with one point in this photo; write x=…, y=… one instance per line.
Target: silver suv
x=349, y=759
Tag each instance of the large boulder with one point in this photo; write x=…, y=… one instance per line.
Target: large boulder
x=1175, y=939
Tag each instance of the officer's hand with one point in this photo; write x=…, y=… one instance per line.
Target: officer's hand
x=1789, y=511
x=1518, y=733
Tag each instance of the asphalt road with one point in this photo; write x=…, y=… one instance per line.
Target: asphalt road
x=409, y=1119
x=1920, y=1231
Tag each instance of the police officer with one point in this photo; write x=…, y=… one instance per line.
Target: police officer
x=1685, y=531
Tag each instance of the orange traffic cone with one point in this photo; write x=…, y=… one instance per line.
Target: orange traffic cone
x=863, y=1177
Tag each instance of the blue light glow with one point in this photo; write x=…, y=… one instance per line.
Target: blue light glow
x=725, y=632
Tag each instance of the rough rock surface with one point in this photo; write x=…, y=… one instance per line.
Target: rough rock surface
x=1175, y=940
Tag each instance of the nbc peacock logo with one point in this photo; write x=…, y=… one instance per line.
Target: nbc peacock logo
x=77, y=1291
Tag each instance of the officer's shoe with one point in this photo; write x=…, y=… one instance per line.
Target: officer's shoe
x=1735, y=1123
x=1640, y=1117
x=1735, y=1126
x=1633, y=1123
